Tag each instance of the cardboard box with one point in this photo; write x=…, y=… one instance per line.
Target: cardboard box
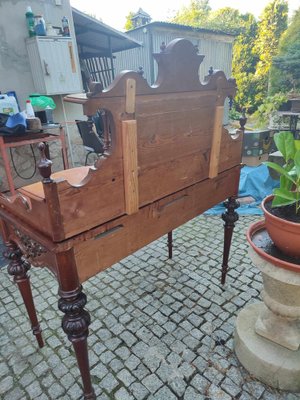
x=254, y=161
x=257, y=143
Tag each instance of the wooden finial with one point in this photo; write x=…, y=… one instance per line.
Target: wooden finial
x=44, y=165
x=163, y=47
x=196, y=48
x=141, y=71
x=243, y=120
x=210, y=71
x=230, y=102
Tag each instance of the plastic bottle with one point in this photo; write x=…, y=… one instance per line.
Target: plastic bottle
x=8, y=105
x=30, y=21
x=65, y=26
x=29, y=110
x=40, y=25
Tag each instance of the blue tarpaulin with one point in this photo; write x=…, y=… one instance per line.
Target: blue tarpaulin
x=255, y=182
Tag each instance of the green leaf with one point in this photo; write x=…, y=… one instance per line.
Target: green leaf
x=285, y=183
x=279, y=169
x=285, y=144
x=297, y=163
x=285, y=194
x=280, y=202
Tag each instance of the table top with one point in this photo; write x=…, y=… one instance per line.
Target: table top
x=30, y=135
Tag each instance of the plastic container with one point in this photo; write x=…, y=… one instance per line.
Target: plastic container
x=29, y=110
x=65, y=26
x=8, y=105
x=30, y=21
x=40, y=25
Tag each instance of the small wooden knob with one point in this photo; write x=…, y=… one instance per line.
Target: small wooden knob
x=140, y=71
x=44, y=165
x=243, y=121
x=163, y=47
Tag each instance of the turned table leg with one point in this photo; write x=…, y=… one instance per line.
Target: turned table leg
x=18, y=268
x=230, y=216
x=76, y=320
x=170, y=244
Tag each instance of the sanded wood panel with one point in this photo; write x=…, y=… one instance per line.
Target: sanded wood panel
x=36, y=216
x=162, y=179
x=76, y=204
x=127, y=234
x=231, y=151
x=166, y=136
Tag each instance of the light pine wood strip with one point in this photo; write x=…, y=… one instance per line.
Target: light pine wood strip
x=130, y=166
x=130, y=96
x=216, y=142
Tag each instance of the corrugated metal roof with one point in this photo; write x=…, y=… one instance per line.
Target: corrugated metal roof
x=180, y=26
x=96, y=38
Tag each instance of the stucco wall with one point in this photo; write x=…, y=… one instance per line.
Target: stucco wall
x=15, y=74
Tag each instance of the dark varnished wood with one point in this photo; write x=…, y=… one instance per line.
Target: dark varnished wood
x=154, y=176
x=170, y=244
x=76, y=319
x=18, y=268
x=230, y=216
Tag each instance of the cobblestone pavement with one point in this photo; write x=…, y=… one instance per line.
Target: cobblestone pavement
x=161, y=330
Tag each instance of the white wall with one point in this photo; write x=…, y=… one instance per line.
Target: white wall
x=15, y=74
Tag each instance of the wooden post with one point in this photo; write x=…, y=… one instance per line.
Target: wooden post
x=130, y=166
x=130, y=96
x=216, y=143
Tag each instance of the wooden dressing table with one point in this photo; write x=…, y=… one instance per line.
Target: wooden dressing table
x=170, y=159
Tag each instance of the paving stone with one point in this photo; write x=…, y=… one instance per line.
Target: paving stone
x=192, y=394
x=56, y=390
x=156, y=328
x=109, y=383
x=139, y=391
x=15, y=394
x=230, y=387
x=200, y=383
x=215, y=392
x=152, y=383
x=126, y=377
x=122, y=394
x=164, y=394
x=6, y=384
x=178, y=385
x=141, y=372
x=132, y=362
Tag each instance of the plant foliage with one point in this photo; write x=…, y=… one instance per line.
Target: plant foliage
x=285, y=71
x=289, y=189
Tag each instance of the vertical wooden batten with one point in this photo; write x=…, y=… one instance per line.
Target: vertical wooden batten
x=216, y=142
x=130, y=96
x=130, y=166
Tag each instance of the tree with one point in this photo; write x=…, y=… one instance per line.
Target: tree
x=128, y=24
x=285, y=70
x=244, y=63
x=195, y=14
x=272, y=24
x=225, y=19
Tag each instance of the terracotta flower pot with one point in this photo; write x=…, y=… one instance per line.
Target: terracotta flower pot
x=285, y=234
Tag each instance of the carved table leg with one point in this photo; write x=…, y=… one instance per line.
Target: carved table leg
x=230, y=217
x=18, y=268
x=76, y=320
x=170, y=244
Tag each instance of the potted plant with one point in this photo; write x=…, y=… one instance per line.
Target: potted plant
x=282, y=209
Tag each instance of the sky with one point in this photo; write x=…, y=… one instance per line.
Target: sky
x=114, y=12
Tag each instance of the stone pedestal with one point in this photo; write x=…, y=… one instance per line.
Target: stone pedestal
x=267, y=336
x=269, y=362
